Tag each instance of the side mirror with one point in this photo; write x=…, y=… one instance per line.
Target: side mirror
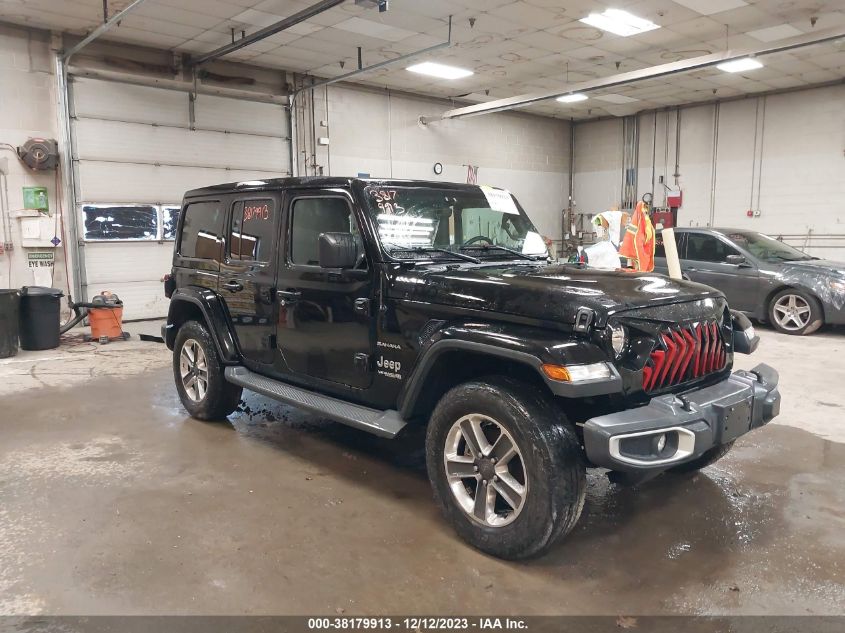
x=745, y=339
x=737, y=260
x=337, y=250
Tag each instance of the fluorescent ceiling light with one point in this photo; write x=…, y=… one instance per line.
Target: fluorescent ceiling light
x=619, y=22
x=572, y=98
x=739, y=65
x=441, y=71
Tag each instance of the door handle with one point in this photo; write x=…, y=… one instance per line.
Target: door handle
x=288, y=296
x=691, y=269
x=233, y=286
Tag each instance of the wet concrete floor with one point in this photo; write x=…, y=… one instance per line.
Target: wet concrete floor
x=113, y=501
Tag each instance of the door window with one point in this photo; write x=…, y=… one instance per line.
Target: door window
x=706, y=248
x=312, y=216
x=253, y=230
x=202, y=231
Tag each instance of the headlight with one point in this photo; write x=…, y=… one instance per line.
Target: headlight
x=618, y=339
x=578, y=373
x=837, y=286
x=749, y=332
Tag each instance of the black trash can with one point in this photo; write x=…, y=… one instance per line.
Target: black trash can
x=40, y=317
x=9, y=300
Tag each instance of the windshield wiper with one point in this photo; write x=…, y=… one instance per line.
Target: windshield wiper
x=487, y=247
x=436, y=249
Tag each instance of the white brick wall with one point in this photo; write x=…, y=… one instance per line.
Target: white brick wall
x=380, y=135
x=783, y=154
x=27, y=109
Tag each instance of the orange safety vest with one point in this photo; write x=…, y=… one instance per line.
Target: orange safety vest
x=638, y=241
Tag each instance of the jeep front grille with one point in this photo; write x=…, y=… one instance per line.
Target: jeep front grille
x=683, y=353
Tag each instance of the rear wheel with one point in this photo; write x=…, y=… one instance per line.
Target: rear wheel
x=506, y=470
x=794, y=311
x=198, y=372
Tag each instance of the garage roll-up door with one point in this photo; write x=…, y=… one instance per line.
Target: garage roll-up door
x=136, y=155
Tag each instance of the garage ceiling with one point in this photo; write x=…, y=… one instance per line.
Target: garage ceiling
x=513, y=46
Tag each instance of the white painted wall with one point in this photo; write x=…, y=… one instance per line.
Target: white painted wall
x=379, y=134
x=783, y=155
x=27, y=109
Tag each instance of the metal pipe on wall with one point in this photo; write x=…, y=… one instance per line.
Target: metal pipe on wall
x=359, y=71
x=69, y=177
x=713, y=165
x=762, y=140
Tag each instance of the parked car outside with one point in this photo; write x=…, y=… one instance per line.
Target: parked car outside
x=761, y=276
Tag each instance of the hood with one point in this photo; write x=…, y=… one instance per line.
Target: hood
x=820, y=266
x=546, y=293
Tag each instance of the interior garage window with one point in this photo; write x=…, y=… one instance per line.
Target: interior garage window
x=169, y=220
x=202, y=231
x=120, y=222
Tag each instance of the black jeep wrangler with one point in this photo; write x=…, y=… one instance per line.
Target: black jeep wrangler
x=386, y=303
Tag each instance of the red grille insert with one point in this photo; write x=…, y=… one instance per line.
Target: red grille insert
x=684, y=353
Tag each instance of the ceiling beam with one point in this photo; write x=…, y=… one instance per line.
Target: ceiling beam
x=105, y=26
x=652, y=72
x=267, y=31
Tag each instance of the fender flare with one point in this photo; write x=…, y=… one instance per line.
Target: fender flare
x=214, y=314
x=414, y=388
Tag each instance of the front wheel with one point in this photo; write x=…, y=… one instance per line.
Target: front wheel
x=506, y=470
x=202, y=387
x=794, y=311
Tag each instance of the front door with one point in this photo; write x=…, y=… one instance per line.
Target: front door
x=705, y=261
x=325, y=331
x=248, y=271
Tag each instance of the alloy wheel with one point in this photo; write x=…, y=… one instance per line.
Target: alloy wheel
x=193, y=368
x=485, y=470
x=792, y=312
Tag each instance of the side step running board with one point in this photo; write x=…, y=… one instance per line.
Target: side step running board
x=382, y=423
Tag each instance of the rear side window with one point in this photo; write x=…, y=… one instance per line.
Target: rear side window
x=706, y=248
x=253, y=230
x=202, y=231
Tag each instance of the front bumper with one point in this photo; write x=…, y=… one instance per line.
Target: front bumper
x=691, y=423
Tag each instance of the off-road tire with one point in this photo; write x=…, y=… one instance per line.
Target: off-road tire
x=221, y=397
x=814, y=322
x=708, y=458
x=550, y=452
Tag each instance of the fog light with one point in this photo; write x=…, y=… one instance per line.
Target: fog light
x=661, y=443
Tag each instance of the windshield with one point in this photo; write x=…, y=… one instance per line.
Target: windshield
x=430, y=222
x=766, y=248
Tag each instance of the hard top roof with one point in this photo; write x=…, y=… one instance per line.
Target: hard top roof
x=318, y=181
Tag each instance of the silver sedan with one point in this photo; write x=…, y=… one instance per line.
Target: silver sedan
x=762, y=277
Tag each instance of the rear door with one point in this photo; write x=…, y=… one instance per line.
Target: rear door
x=248, y=270
x=704, y=261
x=199, y=249
x=325, y=330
